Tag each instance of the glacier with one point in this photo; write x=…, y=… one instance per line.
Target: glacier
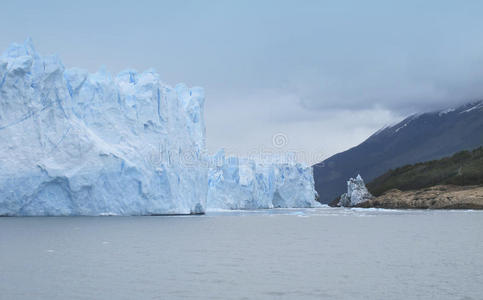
x=271, y=182
x=76, y=143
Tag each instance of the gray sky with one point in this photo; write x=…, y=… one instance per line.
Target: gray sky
x=323, y=75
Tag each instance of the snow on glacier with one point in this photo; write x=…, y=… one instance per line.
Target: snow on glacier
x=241, y=183
x=75, y=143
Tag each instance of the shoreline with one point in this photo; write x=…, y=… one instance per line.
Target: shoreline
x=439, y=197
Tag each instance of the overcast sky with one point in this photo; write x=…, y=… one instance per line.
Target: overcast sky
x=319, y=75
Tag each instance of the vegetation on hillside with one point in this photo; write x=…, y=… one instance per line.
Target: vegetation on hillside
x=463, y=168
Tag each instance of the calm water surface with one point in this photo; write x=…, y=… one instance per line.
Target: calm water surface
x=281, y=254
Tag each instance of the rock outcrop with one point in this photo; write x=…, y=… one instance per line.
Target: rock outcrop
x=436, y=197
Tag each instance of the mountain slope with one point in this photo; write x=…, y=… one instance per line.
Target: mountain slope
x=418, y=138
x=463, y=168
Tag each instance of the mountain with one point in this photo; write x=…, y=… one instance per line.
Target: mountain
x=418, y=138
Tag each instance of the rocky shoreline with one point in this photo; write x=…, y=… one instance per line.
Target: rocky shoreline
x=435, y=197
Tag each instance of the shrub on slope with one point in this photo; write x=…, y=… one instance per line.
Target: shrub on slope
x=463, y=168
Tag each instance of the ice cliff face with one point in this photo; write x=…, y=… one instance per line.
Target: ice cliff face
x=73, y=143
x=237, y=183
x=356, y=192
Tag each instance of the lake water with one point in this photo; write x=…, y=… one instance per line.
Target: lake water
x=280, y=254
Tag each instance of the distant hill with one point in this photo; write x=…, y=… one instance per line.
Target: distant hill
x=463, y=168
x=418, y=138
